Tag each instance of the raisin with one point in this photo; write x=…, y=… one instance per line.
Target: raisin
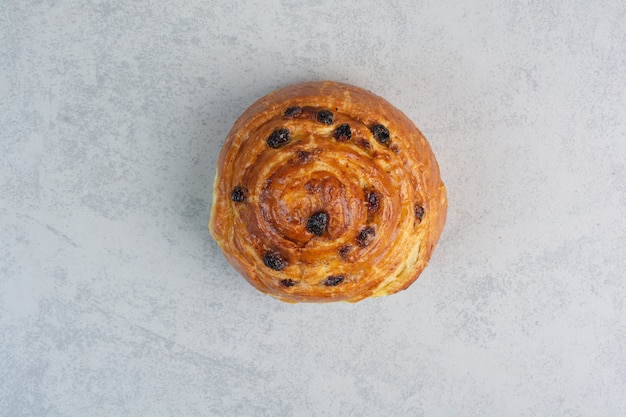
x=317, y=223
x=304, y=157
x=365, y=236
x=274, y=260
x=325, y=116
x=381, y=133
x=292, y=111
x=419, y=212
x=342, y=133
x=278, y=138
x=365, y=144
x=288, y=283
x=239, y=194
x=373, y=201
x=344, y=250
x=333, y=281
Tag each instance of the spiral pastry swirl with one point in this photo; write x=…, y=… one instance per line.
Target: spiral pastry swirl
x=326, y=192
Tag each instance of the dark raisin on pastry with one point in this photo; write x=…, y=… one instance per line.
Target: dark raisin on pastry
x=373, y=200
x=333, y=280
x=344, y=250
x=419, y=213
x=239, y=194
x=292, y=111
x=366, y=236
x=278, y=138
x=380, y=133
x=317, y=223
x=274, y=260
x=325, y=116
x=303, y=157
x=342, y=133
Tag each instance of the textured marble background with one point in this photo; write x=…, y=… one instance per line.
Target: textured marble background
x=115, y=300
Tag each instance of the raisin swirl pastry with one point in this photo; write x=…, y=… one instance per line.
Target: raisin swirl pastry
x=326, y=192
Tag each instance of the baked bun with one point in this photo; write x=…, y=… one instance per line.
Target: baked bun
x=326, y=192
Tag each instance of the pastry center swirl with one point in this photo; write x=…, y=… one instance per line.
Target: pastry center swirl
x=293, y=200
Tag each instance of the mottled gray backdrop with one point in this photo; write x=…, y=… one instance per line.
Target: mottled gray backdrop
x=114, y=299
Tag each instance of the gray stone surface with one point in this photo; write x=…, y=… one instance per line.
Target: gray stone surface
x=115, y=300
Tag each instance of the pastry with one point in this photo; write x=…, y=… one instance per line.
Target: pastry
x=326, y=192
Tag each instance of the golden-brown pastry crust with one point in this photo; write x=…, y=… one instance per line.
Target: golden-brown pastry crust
x=326, y=192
